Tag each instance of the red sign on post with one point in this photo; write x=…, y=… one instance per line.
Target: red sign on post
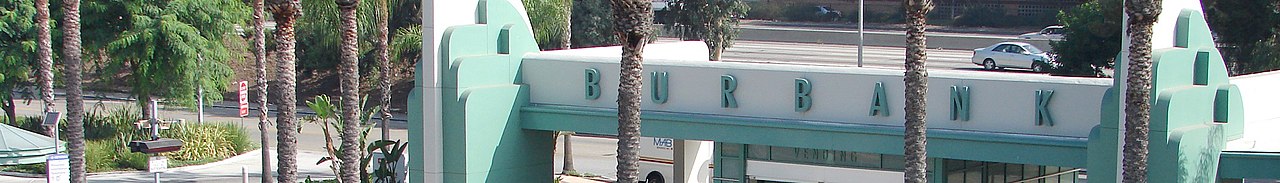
x=244, y=98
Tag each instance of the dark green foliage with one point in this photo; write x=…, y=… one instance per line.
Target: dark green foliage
x=592, y=24
x=547, y=19
x=107, y=132
x=987, y=16
x=713, y=22
x=766, y=9
x=982, y=16
x=330, y=120
x=319, y=39
x=17, y=48
x=391, y=151
x=162, y=44
x=801, y=12
x=1247, y=31
x=1091, y=39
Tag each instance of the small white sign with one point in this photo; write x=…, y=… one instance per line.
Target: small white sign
x=157, y=164
x=58, y=167
x=244, y=98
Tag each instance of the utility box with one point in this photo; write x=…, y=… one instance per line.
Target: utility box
x=156, y=146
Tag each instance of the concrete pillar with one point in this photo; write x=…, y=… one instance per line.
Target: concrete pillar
x=692, y=161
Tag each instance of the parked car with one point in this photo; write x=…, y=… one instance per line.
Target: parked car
x=825, y=13
x=1012, y=55
x=660, y=5
x=1052, y=33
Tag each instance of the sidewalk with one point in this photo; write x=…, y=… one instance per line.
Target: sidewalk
x=572, y=179
x=228, y=170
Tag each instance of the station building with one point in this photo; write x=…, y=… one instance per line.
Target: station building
x=485, y=103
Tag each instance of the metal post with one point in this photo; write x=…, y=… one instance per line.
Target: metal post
x=199, y=90
x=861, y=14
x=55, y=138
x=155, y=123
x=157, y=177
x=244, y=174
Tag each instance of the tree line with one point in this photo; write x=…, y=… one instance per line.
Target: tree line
x=167, y=50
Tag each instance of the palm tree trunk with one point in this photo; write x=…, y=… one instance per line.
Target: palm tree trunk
x=286, y=13
x=72, y=58
x=568, y=154
x=44, y=53
x=349, y=71
x=633, y=18
x=384, y=67
x=916, y=79
x=1142, y=15
x=147, y=111
x=566, y=41
x=260, y=60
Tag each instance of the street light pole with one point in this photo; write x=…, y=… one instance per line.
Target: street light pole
x=199, y=89
x=861, y=14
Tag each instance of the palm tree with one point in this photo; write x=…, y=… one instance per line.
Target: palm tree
x=568, y=154
x=44, y=52
x=916, y=79
x=286, y=13
x=384, y=65
x=566, y=34
x=1137, y=113
x=260, y=60
x=633, y=18
x=350, y=76
x=71, y=55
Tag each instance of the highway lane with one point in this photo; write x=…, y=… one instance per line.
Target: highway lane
x=842, y=55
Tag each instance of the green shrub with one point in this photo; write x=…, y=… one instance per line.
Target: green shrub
x=1091, y=39
x=769, y=10
x=107, y=134
x=800, y=12
x=100, y=155
x=548, y=21
x=592, y=24
x=982, y=16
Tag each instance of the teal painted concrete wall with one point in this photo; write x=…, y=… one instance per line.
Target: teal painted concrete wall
x=489, y=127
x=482, y=140
x=1195, y=110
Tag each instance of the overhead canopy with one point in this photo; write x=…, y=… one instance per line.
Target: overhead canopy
x=18, y=146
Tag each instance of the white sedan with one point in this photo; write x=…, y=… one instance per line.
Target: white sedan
x=1051, y=33
x=1012, y=55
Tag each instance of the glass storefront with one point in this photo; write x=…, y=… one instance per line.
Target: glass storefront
x=956, y=171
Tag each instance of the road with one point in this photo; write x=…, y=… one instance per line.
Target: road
x=842, y=55
x=591, y=155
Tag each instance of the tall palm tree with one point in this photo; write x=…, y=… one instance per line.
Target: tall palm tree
x=567, y=33
x=916, y=79
x=568, y=154
x=1137, y=113
x=566, y=42
x=633, y=18
x=44, y=53
x=286, y=13
x=71, y=60
x=350, y=76
x=260, y=60
x=384, y=65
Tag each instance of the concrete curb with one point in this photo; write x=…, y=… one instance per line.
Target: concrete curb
x=185, y=168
